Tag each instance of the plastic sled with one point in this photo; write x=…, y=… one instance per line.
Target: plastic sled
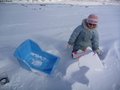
x=33, y=58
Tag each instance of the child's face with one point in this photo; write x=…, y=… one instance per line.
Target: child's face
x=91, y=26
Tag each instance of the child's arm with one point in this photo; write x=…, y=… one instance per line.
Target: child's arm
x=95, y=41
x=74, y=35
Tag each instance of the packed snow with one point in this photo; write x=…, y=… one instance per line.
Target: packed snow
x=50, y=25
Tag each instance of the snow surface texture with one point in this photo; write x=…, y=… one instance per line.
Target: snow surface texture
x=75, y=2
x=51, y=26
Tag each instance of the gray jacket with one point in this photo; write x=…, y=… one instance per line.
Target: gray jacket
x=82, y=37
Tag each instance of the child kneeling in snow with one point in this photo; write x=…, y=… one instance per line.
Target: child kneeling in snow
x=85, y=35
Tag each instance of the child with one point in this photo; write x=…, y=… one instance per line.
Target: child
x=85, y=35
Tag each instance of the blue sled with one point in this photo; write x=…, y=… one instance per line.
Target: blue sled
x=33, y=58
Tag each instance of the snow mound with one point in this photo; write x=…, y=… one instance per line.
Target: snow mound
x=85, y=67
x=114, y=51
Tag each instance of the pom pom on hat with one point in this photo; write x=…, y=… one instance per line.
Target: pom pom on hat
x=92, y=18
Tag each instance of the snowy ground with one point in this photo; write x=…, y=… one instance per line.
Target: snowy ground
x=51, y=26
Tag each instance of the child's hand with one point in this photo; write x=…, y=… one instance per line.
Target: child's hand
x=98, y=51
x=69, y=46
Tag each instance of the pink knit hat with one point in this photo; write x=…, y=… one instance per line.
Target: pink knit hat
x=92, y=18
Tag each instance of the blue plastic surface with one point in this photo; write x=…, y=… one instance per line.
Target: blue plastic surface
x=32, y=57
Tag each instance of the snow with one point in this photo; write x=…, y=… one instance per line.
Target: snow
x=51, y=25
x=72, y=2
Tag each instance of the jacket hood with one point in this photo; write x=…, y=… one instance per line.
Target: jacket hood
x=85, y=26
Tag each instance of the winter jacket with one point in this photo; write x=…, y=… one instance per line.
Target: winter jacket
x=83, y=37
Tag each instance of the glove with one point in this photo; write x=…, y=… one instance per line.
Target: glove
x=69, y=46
x=98, y=51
